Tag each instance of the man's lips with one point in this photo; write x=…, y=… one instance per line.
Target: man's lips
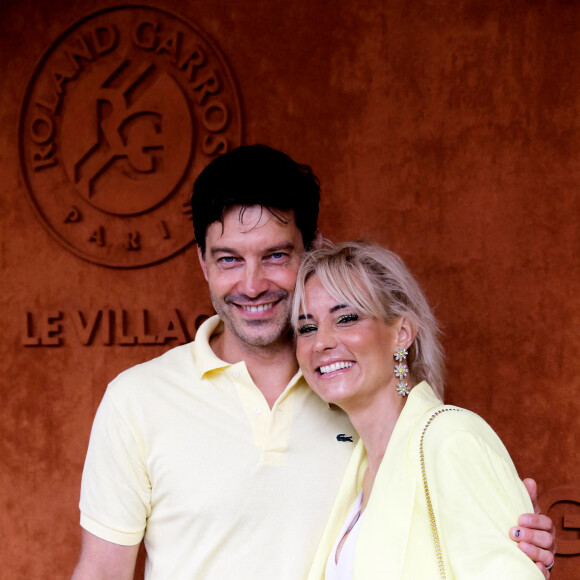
x=258, y=308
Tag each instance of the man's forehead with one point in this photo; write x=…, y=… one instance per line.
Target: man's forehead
x=247, y=219
x=253, y=215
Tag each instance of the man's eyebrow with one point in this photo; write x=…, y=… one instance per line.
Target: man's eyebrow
x=289, y=246
x=222, y=250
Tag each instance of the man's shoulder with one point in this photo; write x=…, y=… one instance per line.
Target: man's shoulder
x=177, y=369
x=168, y=366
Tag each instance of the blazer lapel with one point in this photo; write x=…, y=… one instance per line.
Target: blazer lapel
x=387, y=520
x=384, y=533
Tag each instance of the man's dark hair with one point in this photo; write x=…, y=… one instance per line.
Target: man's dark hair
x=255, y=175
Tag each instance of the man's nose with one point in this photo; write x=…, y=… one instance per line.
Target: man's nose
x=254, y=282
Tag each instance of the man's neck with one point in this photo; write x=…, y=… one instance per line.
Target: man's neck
x=271, y=367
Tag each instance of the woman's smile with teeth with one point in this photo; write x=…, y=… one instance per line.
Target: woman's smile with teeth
x=335, y=367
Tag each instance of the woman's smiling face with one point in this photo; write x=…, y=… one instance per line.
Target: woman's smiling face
x=345, y=357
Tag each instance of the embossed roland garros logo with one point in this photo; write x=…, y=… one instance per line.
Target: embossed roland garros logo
x=121, y=115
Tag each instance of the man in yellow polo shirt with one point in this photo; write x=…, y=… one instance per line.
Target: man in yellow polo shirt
x=217, y=454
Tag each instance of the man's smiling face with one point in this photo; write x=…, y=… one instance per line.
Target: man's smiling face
x=250, y=263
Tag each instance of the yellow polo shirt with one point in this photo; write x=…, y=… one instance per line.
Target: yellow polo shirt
x=186, y=454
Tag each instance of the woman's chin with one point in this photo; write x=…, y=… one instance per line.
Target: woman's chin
x=330, y=396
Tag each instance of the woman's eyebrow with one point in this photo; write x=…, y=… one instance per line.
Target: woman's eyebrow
x=331, y=311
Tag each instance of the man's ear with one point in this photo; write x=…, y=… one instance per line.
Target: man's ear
x=202, y=262
x=317, y=241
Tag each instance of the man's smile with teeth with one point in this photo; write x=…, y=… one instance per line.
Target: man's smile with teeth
x=260, y=308
x=335, y=367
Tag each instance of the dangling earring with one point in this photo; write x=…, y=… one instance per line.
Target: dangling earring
x=401, y=370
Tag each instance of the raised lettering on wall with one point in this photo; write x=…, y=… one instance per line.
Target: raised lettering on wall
x=107, y=327
x=121, y=115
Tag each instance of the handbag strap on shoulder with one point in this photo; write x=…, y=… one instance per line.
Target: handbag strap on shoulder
x=432, y=521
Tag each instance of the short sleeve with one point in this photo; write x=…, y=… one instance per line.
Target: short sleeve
x=477, y=496
x=115, y=488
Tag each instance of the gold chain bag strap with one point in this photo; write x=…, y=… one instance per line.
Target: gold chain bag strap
x=432, y=521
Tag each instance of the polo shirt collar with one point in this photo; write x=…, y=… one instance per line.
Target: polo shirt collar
x=206, y=359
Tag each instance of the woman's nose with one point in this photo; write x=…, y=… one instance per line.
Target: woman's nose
x=325, y=339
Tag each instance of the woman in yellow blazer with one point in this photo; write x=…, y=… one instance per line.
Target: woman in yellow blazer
x=430, y=491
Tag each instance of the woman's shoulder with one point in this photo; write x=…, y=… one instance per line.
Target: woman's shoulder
x=448, y=427
x=429, y=414
x=450, y=418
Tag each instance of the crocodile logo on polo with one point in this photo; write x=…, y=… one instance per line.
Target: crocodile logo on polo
x=122, y=113
x=343, y=437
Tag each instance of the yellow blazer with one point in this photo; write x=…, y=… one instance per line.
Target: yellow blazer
x=475, y=490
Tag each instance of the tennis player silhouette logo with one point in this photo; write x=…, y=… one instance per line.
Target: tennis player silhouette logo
x=124, y=144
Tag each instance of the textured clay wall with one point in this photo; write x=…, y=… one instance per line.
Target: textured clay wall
x=449, y=131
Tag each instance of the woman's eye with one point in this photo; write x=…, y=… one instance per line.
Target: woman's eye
x=346, y=318
x=306, y=329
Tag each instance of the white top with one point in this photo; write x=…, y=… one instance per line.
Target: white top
x=343, y=570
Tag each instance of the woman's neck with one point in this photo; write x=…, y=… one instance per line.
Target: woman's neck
x=375, y=422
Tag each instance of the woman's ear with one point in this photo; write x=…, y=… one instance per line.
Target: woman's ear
x=316, y=243
x=406, y=331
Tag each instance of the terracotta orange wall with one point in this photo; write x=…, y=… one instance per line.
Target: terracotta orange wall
x=449, y=131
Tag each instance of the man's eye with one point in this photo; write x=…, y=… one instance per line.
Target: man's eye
x=307, y=328
x=346, y=318
x=226, y=262
x=278, y=255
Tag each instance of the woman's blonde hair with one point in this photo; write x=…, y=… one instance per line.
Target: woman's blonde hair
x=377, y=283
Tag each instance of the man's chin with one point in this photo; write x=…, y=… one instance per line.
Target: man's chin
x=263, y=339
x=255, y=331
x=263, y=333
